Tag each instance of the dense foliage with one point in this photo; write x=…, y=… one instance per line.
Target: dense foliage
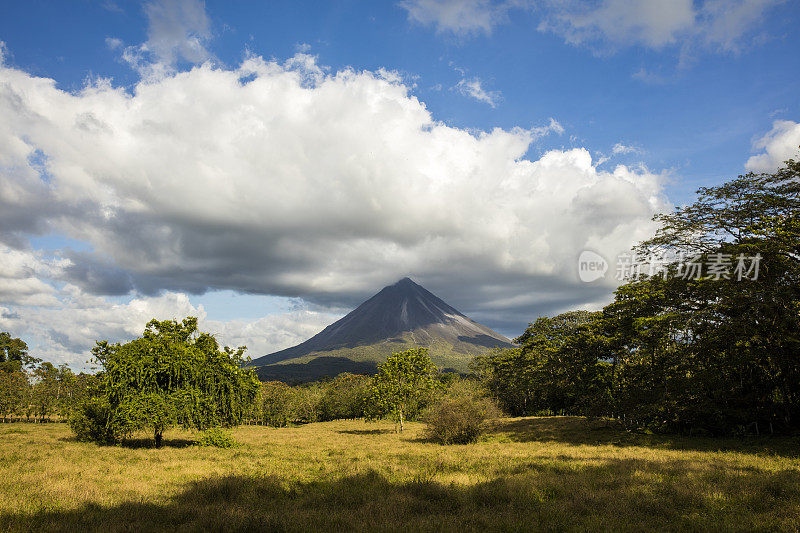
x=715, y=352
x=171, y=375
x=12, y=349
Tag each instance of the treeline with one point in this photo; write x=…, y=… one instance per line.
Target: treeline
x=406, y=387
x=352, y=396
x=175, y=375
x=708, y=342
x=34, y=390
x=278, y=404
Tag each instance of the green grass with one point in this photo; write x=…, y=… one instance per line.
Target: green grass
x=556, y=473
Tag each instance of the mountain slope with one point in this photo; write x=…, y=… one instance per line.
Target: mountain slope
x=399, y=317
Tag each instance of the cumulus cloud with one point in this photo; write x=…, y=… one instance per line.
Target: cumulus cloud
x=717, y=25
x=780, y=144
x=283, y=178
x=473, y=88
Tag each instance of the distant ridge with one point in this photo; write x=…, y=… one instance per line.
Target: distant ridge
x=399, y=317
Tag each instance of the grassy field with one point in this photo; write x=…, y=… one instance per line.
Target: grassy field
x=556, y=473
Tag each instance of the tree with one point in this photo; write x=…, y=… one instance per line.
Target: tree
x=561, y=365
x=276, y=407
x=172, y=375
x=404, y=384
x=306, y=402
x=737, y=338
x=13, y=386
x=715, y=349
x=12, y=349
x=344, y=396
x=46, y=389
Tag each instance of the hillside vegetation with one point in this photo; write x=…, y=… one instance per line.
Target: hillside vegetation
x=557, y=473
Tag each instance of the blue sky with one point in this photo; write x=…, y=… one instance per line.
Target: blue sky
x=662, y=98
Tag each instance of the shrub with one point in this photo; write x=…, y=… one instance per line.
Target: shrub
x=461, y=415
x=217, y=438
x=92, y=421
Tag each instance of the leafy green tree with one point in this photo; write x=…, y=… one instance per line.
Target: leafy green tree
x=345, y=396
x=306, y=403
x=173, y=375
x=14, y=383
x=46, y=390
x=404, y=384
x=712, y=349
x=276, y=403
x=561, y=365
x=726, y=351
x=12, y=349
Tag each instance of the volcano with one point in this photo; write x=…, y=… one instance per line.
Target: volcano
x=399, y=317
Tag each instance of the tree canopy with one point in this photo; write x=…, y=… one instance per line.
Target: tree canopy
x=12, y=349
x=403, y=384
x=172, y=375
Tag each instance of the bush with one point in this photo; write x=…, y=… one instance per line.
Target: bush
x=461, y=415
x=217, y=438
x=92, y=421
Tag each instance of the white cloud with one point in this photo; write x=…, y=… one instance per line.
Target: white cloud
x=113, y=43
x=652, y=23
x=281, y=178
x=273, y=332
x=780, y=144
x=724, y=24
x=473, y=88
x=716, y=25
x=648, y=77
x=553, y=126
x=177, y=30
x=620, y=148
x=21, y=277
x=460, y=17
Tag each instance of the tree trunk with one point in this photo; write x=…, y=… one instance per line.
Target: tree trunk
x=158, y=437
x=401, y=421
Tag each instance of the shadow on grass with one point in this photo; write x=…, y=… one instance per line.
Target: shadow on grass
x=579, y=430
x=631, y=494
x=150, y=443
x=365, y=431
x=142, y=442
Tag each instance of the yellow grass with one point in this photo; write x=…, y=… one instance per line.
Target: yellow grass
x=556, y=473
